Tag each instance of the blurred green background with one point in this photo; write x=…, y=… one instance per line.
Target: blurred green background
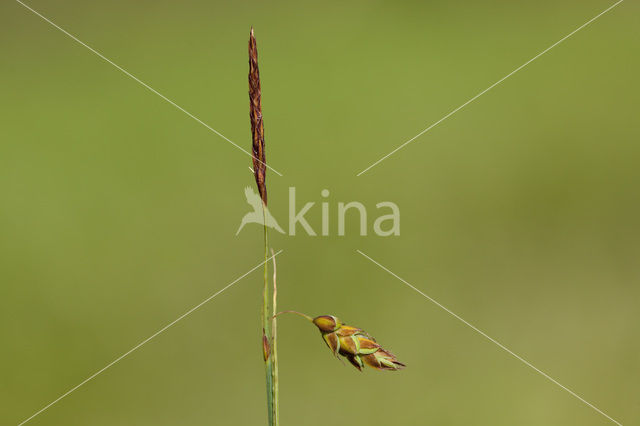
x=521, y=213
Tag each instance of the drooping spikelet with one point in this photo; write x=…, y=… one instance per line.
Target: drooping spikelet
x=257, y=126
x=355, y=344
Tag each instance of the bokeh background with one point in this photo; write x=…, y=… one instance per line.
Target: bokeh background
x=521, y=213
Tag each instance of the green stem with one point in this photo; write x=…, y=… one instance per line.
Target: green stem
x=307, y=317
x=271, y=367
x=274, y=346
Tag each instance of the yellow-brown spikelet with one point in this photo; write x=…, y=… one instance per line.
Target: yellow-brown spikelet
x=266, y=347
x=355, y=344
x=257, y=126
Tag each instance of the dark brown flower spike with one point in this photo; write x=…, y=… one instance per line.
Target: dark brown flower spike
x=257, y=126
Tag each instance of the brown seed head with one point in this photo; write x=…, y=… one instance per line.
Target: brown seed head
x=353, y=343
x=257, y=126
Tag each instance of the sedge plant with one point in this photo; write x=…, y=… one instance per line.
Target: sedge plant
x=352, y=343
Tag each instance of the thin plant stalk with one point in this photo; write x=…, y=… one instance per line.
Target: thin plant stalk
x=305, y=316
x=274, y=345
x=266, y=332
x=259, y=171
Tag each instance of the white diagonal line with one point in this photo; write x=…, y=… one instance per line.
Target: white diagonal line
x=491, y=339
x=490, y=87
x=148, y=339
x=128, y=74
